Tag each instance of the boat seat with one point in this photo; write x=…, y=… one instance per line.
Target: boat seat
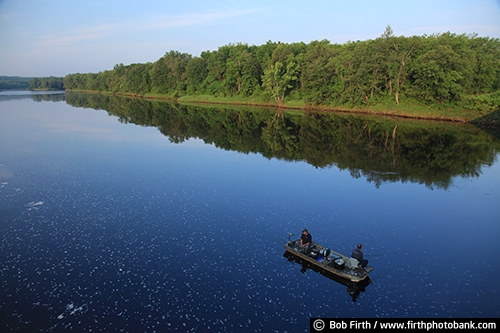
x=354, y=262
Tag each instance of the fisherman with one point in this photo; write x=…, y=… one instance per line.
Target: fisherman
x=306, y=240
x=357, y=254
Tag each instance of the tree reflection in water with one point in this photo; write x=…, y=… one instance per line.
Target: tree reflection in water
x=379, y=149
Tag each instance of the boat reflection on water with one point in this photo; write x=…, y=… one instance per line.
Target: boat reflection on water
x=353, y=288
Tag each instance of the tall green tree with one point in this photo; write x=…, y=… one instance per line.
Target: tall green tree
x=216, y=67
x=194, y=75
x=486, y=77
x=167, y=73
x=278, y=78
x=136, y=79
x=242, y=71
x=319, y=77
x=437, y=76
x=395, y=55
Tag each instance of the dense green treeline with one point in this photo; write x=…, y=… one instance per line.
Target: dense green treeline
x=46, y=83
x=32, y=83
x=379, y=149
x=13, y=82
x=442, y=70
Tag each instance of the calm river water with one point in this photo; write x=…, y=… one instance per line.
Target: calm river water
x=113, y=222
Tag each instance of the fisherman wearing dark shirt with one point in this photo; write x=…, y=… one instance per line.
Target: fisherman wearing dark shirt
x=357, y=254
x=305, y=239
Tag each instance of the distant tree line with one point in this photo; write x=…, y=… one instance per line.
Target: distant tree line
x=439, y=69
x=46, y=83
x=31, y=83
x=13, y=82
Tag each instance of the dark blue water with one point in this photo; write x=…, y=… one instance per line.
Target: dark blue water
x=110, y=227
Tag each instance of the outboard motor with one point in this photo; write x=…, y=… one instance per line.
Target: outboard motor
x=290, y=242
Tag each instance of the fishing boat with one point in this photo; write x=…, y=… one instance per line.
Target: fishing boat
x=328, y=260
x=354, y=289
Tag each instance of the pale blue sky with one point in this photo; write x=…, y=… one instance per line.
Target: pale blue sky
x=59, y=37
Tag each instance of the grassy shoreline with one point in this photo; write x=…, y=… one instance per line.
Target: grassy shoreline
x=403, y=111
